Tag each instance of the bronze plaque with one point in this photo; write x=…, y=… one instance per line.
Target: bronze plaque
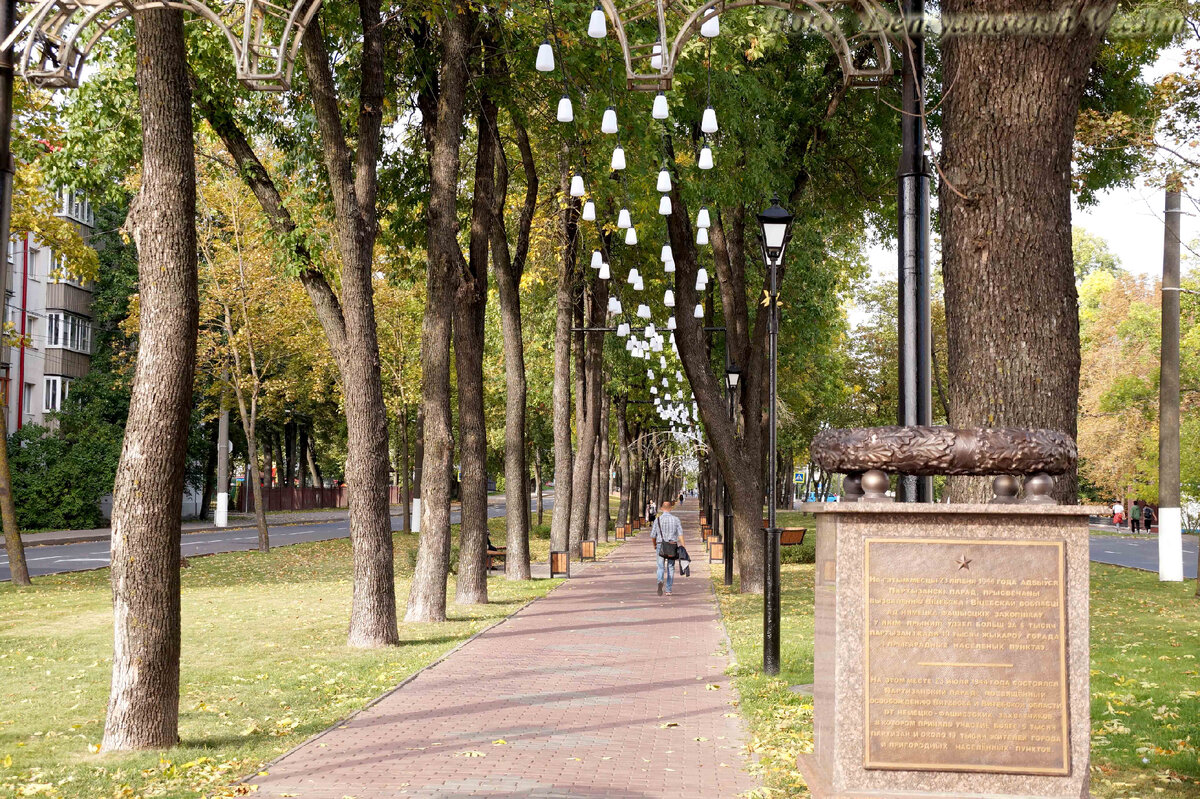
x=965, y=655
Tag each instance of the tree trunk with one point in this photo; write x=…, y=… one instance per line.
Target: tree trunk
x=560, y=521
x=301, y=453
x=427, y=596
x=1008, y=128
x=405, y=480
x=313, y=469
x=588, y=423
x=268, y=454
x=537, y=476
x=13, y=545
x=469, y=306
x=143, y=707
x=508, y=279
x=623, y=470
x=210, y=476
x=604, y=464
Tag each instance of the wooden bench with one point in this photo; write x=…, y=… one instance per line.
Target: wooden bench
x=791, y=536
x=495, y=555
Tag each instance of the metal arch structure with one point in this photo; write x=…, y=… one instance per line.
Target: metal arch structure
x=55, y=37
x=865, y=56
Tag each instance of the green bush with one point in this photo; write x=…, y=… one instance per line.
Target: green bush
x=540, y=531
x=804, y=553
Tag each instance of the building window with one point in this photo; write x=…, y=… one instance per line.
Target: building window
x=69, y=331
x=27, y=398
x=57, y=390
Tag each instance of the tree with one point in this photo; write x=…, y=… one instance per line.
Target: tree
x=1008, y=124
x=1091, y=254
x=143, y=708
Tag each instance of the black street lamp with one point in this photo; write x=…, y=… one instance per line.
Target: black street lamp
x=775, y=226
x=732, y=377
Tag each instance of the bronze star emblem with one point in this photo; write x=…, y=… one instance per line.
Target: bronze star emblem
x=963, y=562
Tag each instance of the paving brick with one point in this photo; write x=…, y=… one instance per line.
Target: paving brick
x=581, y=685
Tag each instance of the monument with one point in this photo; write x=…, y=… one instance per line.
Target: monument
x=951, y=640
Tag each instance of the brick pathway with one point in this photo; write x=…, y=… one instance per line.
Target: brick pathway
x=600, y=689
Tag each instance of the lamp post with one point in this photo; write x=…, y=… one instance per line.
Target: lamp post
x=775, y=230
x=732, y=376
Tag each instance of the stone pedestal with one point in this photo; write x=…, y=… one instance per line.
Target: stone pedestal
x=951, y=652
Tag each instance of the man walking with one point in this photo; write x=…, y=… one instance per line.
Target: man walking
x=667, y=535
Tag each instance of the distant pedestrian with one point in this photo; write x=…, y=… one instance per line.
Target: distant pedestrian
x=1118, y=511
x=1148, y=518
x=667, y=535
x=650, y=511
x=1135, y=517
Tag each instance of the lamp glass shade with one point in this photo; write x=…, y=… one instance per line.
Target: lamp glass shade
x=659, y=110
x=664, y=180
x=653, y=389
x=699, y=312
x=669, y=299
x=618, y=159
x=656, y=345
x=702, y=236
x=774, y=224
x=702, y=276
x=702, y=218
x=605, y=272
x=545, y=57
x=711, y=28
x=614, y=305
x=623, y=329
x=565, y=112
x=631, y=236
x=664, y=205
x=706, y=158
x=668, y=267
x=623, y=220
x=670, y=323
x=639, y=285
x=577, y=189
x=731, y=378
x=589, y=212
x=773, y=234
x=597, y=259
x=666, y=255
x=608, y=123
x=596, y=25
x=656, y=56
x=708, y=121
x=651, y=333
x=633, y=276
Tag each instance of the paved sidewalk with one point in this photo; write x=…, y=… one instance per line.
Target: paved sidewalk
x=600, y=689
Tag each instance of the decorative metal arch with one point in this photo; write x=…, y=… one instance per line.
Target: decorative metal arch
x=56, y=36
x=870, y=41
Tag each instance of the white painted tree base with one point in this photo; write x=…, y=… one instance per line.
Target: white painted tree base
x=1170, y=545
x=416, y=515
x=221, y=517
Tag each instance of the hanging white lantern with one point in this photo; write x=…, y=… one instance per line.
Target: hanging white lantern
x=597, y=259
x=664, y=205
x=565, y=112
x=633, y=276
x=656, y=60
x=650, y=374
x=666, y=255
x=651, y=333
x=678, y=376
x=670, y=323
x=706, y=158
x=708, y=122
x=659, y=110
x=545, y=57
x=605, y=273
x=608, y=123
x=656, y=345
x=701, y=279
x=631, y=236
x=623, y=331
x=614, y=305
x=699, y=312
x=702, y=219
x=666, y=383
x=662, y=362
x=577, y=189
x=702, y=236
x=618, y=159
x=589, y=212
x=623, y=221
x=638, y=286
x=664, y=180
x=653, y=390
x=596, y=26
x=669, y=299
x=712, y=25
x=669, y=267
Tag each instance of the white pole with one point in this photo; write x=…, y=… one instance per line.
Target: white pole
x=1170, y=533
x=221, y=517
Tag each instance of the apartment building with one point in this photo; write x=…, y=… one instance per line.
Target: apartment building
x=52, y=314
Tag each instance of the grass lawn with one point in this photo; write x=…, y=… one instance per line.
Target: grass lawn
x=1145, y=681
x=264, y=667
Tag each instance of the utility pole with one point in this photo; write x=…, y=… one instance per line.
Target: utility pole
x=1170, y=523
x=915, y=337
x=221, y=518
x=8, y=509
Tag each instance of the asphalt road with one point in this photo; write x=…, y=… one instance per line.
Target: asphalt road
x=1140, y=553
x=55, y=559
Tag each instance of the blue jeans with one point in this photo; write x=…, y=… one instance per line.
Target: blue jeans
x=667, y=565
